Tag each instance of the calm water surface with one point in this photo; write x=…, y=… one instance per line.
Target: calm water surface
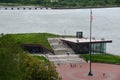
x=106, y=23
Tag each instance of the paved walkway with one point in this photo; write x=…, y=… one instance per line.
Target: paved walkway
x=80, y=72
x=65, y=59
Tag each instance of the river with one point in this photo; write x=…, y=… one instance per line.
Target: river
x=106, y=23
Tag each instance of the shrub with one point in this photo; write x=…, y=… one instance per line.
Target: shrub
x=15, y=64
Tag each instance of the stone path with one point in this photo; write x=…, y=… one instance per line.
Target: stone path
x=80, y=72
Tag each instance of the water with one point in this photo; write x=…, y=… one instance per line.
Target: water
x=106, y=23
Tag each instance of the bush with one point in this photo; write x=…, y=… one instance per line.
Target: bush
x=15, y=64
x=39, y=70
x=9, y=59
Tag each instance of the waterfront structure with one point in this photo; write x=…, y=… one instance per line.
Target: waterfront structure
x=69, y=45
x=81, y=45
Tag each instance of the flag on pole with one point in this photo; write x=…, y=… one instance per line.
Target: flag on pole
x=91, y=15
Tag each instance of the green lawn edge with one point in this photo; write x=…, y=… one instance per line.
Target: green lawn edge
x=35, y=38
x=41, y=58
x=102, y=58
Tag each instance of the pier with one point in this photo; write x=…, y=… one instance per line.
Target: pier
x=23, y=8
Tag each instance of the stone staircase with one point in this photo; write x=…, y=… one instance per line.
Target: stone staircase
x=61, y=51
x=63, y=59
x=59, y=47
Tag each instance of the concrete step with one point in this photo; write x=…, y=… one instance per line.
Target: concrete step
x=53, y=40
x=63, y=59
x=66, y=61
x=63, y=56
x=59, y=47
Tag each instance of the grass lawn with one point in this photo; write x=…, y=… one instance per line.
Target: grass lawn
x=41, y=58
x=103, y=58
x=34, y=38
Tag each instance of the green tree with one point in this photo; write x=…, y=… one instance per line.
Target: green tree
x=117, y=2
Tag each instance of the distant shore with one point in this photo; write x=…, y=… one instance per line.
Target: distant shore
x=13, y=5
x=83, y=7
x=57, y=5
x=46, y=8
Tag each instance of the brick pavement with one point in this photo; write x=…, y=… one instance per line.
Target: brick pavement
x=80, y=72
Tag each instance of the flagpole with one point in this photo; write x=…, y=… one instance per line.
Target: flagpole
x=65, y=32
x=91, y=17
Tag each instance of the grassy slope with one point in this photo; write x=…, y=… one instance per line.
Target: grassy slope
x=34, y=38
x=41, y=58
x=103, y=58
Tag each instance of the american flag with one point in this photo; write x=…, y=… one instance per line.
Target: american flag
x=91, y=15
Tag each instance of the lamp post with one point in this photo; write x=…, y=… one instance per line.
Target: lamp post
x=91, y=17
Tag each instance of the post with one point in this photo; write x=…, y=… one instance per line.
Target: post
x=90, y=72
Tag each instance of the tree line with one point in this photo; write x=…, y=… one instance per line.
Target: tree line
x=66, y=3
